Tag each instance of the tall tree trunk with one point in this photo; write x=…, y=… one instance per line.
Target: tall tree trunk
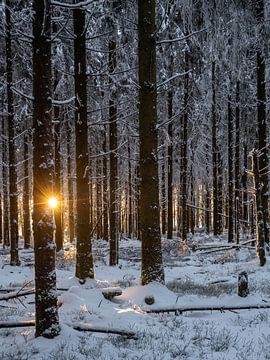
x=261, y=116
x=184, y=161
x=244, y=187
x=6, y=231
x=163, y=195
x=26, y=194
x=230, y=173
x=105, y=189
x=13, y=191
x=113, y=147
x=260, y=233
x=170, y=168
x=84, y=258
x=237, y=163
x=71, y=220
x=214, y=154
x=152, y=267
x=47, y=322
x=57, y=181
x=130, y=209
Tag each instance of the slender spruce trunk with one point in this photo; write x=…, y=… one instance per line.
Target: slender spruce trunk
x=84, y=258
x=237, y=163
x=184, y=160
x=152, y=267
x=26, y=193
x=230, y=174
x=13, y=191
x=47, y=321
x=113, y=147
x=261, y=116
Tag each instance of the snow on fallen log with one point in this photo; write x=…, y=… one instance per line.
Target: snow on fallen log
x=224, y=308
x=111, y=292
x=16, y=294
x=15, y=324
x=106, y=330
x=76, y=326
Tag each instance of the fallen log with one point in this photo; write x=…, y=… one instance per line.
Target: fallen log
x=16, y=294
x=13, y=324
x=76, y=326
x=106, y=330
x=224, y=308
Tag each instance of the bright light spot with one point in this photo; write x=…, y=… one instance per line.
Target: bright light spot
x=53, y=203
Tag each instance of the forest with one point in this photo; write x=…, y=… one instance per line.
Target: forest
x=134, y=179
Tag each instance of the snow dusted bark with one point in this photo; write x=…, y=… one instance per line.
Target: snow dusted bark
x=170, y=168
x=47, y=322
x=260, y=232
x=152, y=267
x=184, y=160
x=113, y=147
x=13, y=191
x=84, y=259
x=26, y=194
x=261, y=115
x=230, y=173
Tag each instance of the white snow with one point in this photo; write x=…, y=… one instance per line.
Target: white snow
x=192, y=280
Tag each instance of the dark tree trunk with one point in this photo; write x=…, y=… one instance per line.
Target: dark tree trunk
x=237, y=162
x=152, y=267
x=230, y=173
x=219, y=193
x=105, y=190
x=244, y=187
x=26, y=194
x=261, y=117
x=130, y=194
x=260, y=233
x=47, y=322
x=5, y=189
x=13, y=191
x=57, y=181
x=170, y=169
x=163, y=196
x=184, y=161
x=113, y=149
x=84, y=258
x=214, y=155
x=71, y=219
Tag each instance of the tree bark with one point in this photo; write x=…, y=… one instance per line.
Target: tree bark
x=13, y=191
x=152, y=267
x=84, y=258
x=230, y=173
x=184, y=160
x=113, y=146
x=47, y=321
x=261, y=116
x=26, y=194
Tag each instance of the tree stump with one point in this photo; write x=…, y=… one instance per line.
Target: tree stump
x=243, y=290
x=149, y=300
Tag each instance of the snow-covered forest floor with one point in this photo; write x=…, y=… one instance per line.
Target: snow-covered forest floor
x=194, y=279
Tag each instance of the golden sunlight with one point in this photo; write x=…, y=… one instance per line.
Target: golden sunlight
x=53, y=202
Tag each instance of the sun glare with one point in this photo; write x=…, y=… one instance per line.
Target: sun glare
x=53, y=203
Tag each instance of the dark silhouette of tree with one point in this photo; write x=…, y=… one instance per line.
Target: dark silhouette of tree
x=152, y=268
x=84, y=258
x=47, y=322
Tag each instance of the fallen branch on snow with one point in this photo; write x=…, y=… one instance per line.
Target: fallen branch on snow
x=178, y=310
x=76, y=326
x=16, y=294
